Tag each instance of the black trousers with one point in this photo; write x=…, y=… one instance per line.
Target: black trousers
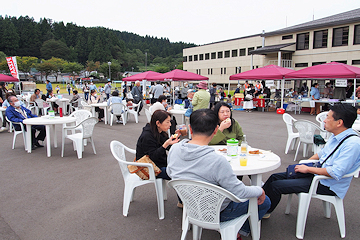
x=100, y=111
x=34, y=128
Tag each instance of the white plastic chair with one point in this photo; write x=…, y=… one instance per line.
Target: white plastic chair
x=306, y=131
x=117, y=109
x=148, y=115
x=320, y=119
x=202, y=202
x=41, y=106
x=78, y=138
x=131, y=110
x=132, y=180
x=304, y=203
x=292, y=136
x=80, y=116
x=85, y=105
x=22, y=131
x=72, y=108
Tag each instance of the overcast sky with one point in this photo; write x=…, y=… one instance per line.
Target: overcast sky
x=191, y=21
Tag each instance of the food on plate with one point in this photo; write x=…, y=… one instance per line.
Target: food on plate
x=255, y=152
x=223, y=150
x=175, y=135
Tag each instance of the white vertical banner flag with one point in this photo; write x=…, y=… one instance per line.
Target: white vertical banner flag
x=13, y=66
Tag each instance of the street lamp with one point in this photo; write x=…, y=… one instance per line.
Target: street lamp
x=109, y=63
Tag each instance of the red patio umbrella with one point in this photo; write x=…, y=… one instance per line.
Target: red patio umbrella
x=269, y=72
x=180, y=75
x=6, y=78
x=143, y=76
x=327, y=70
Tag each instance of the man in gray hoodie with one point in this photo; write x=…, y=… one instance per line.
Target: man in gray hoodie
x=195, y=160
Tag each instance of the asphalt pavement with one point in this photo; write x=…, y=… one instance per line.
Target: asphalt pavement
x=69, y=198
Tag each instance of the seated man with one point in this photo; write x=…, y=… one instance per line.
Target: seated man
x=17, y=113
x=35, y=95
x=195, y=160
x=115, y=99
x=343, y=161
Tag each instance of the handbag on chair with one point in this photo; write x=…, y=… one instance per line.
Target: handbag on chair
x=143, y=172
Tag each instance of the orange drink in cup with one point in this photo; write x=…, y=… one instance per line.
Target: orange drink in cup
x=243, y=160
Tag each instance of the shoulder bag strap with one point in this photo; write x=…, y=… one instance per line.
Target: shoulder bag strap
x=337, y=147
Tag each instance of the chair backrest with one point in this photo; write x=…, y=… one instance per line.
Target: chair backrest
x=118, y=151
x=202, y=201
x=289, y=121
x=117, y=108
x=320, y=118
x=12, y=125
x=306, y=130
x=40, y=102
x=148, y=115
x=84, y=103
x=80, y=115
x=88, y=126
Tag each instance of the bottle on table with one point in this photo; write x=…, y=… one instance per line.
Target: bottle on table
x=244, y=145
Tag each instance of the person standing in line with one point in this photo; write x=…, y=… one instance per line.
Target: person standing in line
x=213, y=95
x=48, y=86
x=184, y=91
x=202, y=97
x=107, y=89
x=136, y=92
x=86, y=90
x=315, y=95
x=157, y=90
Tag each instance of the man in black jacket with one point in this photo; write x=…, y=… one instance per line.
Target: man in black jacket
x=136, y=92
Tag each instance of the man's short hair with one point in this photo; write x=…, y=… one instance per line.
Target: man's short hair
x=136, y=82
x=345, y=112
x=75, y=91
x=115, y=93
x=203, y=121
x=161, y=98
x=36, y=90
x=157, y=82
x=10, y=98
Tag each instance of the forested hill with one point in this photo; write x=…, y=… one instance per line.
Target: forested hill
x=45, y=39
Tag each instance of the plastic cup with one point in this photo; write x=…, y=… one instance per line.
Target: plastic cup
x=243, y=160
x=183, y=129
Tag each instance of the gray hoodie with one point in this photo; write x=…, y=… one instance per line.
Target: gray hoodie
x=201, y=163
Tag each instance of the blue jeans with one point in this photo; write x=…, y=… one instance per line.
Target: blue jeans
x=163, y=174
x=278, y=184
x=234, y=210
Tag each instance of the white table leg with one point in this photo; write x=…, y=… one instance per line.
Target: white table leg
x=55, y=135
x=48, y=142
x=28, y=137
x=253, y=208
x=105, y=115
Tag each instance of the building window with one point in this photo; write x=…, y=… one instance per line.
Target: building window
x=211, y=71
x=301, y=64
x=224, y=70
x=201, y=57
x=250, y=49
x=213, y=55
x=356, y=34
x=320, y=39
x=221, y=71
x=220, y=54
x=287, y=37
x=185, y=59
x=340, y=36
x=195, y=57
x=227, y=54
x=207, y=56
x=234, y=53
x=242, y=52
x=343, y=61
x=317, y=63
x=237, y=69
x=190, y=58
x=355, y=62
x=199, y=72
x=208, y=71
x=302, y=41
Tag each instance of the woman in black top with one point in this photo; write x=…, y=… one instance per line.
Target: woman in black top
x=154, y=141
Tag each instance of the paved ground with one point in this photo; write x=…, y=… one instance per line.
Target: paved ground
x=67, y=198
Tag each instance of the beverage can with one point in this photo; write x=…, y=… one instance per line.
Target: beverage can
x=232, y=147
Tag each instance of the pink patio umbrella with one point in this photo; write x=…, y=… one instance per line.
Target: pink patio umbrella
x=143, y=76
x=180, y=75
x=269, y=72
x=327, y=70
x=6, y=78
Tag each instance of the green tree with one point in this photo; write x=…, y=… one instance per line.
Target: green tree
x=73, y=68
x=2, y=56
x=9, y=39
x=46, y=67
x=4, y=66
x=59, y=65
x=92, y=66
x=162, y=69
x=114, y=69
x=26, y=63
x=54, y=48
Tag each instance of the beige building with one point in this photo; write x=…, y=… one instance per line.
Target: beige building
x=333, y=38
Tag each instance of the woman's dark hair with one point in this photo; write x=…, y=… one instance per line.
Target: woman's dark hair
x=161, y=116
x=8, y=94
x=217, y=109
x=92, y=91
x=214, y=84
x=345, y=112
x=161, y=98
x=315, y=84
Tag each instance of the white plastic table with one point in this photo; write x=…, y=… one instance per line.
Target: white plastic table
x=256, y=165
x=180, y=112
x=101, y=105
x=45, y=120
x=62, y=101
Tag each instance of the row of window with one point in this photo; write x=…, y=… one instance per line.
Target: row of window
x=353, y=62
x=222, y=70
x=221, y=54
x=340, y=38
